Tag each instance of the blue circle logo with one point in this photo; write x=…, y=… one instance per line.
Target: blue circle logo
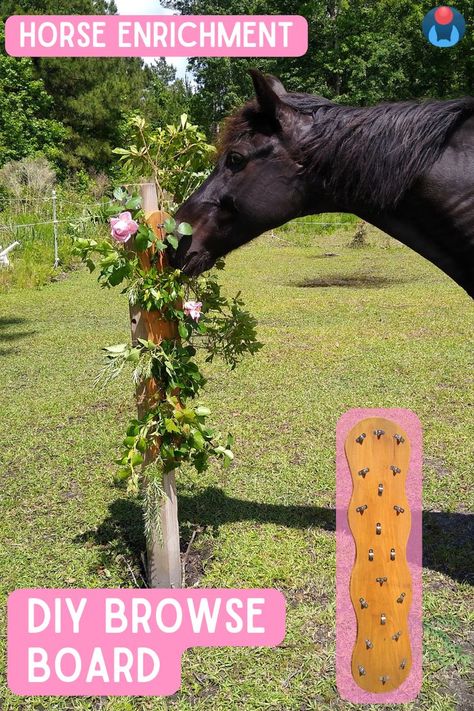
x=444, y=26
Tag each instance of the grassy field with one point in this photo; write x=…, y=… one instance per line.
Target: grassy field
x=376, y=327
x=31, y=225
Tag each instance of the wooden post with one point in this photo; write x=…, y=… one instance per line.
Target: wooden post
x=163, y=550
x=55, y=231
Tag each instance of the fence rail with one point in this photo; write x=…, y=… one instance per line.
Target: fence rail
x=56, y=205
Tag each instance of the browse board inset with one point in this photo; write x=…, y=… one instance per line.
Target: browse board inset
x=378, y=453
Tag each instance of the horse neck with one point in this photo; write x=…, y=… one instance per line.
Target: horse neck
x=418, y=223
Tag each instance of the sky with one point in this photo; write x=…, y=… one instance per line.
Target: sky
x=151, y=7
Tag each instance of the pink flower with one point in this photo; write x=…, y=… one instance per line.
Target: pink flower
x=193, y=309
x=123, y=227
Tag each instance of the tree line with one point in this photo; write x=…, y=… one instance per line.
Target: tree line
x=76, y=110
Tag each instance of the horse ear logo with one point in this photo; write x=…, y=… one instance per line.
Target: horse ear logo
x=268, y=90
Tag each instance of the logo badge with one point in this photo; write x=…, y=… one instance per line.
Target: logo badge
x=444, y=26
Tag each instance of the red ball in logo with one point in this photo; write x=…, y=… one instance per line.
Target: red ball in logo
x=444, y=15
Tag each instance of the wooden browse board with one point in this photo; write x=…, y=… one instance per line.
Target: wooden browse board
x=378, y=454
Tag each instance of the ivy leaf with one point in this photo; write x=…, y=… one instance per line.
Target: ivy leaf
x=202, y=411
x=198, y=440
x=136, y=459
x=141, y=445
x=133, y=203
x=142, y=241
x=134, y=355
x=118, y=275
x=160, y=246
x=121, y=477
x=169, y=225
x=184, y=228
x=182, y=329
x=173, y=240
x=110, y=259
x=119, y=348
x=119, y=193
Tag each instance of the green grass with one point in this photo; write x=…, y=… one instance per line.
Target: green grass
x=392, y=331
x=32, y=262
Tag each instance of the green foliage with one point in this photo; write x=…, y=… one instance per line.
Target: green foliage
x=359, y=52
x=165, y=96
x=179, y=434
x=177, y=157
x=26, y=126
x=90, y=96
x=171, y=432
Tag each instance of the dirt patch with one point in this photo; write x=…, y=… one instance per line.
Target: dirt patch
x=196, y=559
x=300, y=596
x=438, y=465
x=349, y=281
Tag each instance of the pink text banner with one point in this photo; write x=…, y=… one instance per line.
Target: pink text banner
x=128, y=642
x=156, y=35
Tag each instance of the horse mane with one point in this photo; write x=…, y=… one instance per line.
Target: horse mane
x=371, y=154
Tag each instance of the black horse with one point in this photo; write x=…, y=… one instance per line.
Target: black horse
x=407, y=168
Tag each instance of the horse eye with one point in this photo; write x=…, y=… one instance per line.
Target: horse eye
x=235, y=161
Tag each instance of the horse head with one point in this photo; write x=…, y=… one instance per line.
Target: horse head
x=256, y=185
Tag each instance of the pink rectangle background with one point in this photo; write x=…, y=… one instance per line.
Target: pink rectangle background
x=169, y=646
x=297, y=44
x=345, y=555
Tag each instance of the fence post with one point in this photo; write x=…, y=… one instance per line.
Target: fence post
x=55, y=231
x=163, y=550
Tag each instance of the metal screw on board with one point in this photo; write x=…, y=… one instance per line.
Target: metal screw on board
x=403, y=664
x=368, y=644
x=363, y=472
x=361, y=509
x=363, y=603
x=361, y=438
x=399, y=509
x=401, y=598
x=361, y=671
x=371, y=553
x=380, y=489
x=379, y=433
x=399, y=438
x=383, y=618
x=392, y=554
x=378, y=529
x=381, y=581
x=396, y=636
x=395, y=470
x=384, y=679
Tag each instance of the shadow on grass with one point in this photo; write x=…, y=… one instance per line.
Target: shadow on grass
x=120, y=533
x=8, y=332
x=349, y=281
x=446, y=536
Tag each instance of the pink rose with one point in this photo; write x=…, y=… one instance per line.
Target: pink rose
x=123, y=227
x=193, y=309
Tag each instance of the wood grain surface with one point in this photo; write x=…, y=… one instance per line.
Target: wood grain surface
x=380, y=586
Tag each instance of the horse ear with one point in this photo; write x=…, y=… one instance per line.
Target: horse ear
x=268, y=91
x=276, y=85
